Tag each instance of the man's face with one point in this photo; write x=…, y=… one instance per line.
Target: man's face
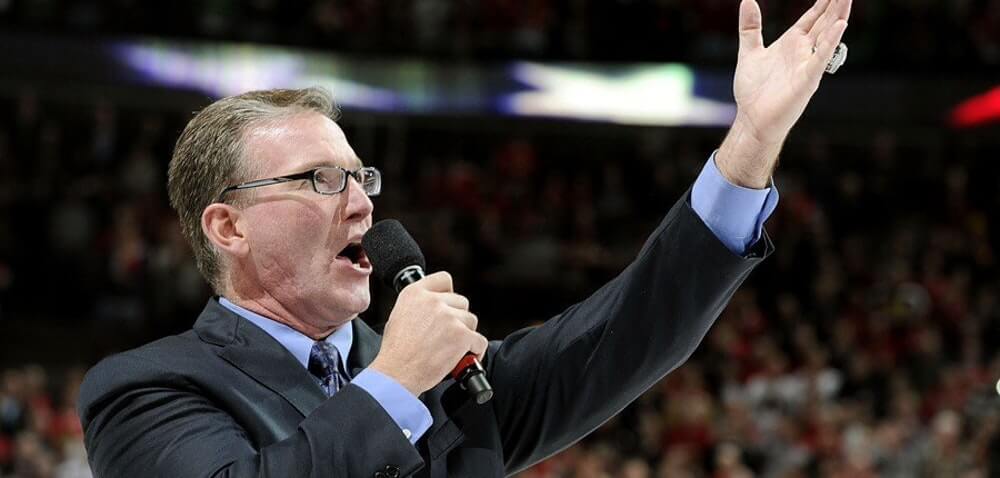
x=295, y=235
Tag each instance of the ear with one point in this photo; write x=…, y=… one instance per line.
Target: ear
x=222, y=225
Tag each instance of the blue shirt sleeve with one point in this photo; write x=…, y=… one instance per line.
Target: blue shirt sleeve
x=735, y=214
x=406, y=410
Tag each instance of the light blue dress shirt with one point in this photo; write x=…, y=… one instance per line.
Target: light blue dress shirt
x=734, y=214
x=405, y=409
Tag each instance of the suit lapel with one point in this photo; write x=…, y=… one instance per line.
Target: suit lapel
x=443, y=401
x=258, y=355
x=365, y=347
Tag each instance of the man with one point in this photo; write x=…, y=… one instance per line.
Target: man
x=278, y=379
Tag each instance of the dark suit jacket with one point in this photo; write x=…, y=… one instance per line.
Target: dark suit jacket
x=225, y=399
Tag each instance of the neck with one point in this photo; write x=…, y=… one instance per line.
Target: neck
x=246, y=291
x=271, y=308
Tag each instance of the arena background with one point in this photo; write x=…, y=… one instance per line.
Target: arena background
x=530, y=146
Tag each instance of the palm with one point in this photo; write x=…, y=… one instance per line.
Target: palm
x=773, y=85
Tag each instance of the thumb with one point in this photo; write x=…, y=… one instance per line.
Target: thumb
x=751, y=37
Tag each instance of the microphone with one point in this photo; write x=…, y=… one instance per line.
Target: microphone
x=398, y=263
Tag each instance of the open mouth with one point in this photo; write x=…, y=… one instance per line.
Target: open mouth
x=356, y=254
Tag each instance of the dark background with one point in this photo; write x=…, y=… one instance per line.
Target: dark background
x=866, y=346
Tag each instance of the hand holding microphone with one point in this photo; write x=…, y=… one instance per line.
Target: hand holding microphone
x=430, y=329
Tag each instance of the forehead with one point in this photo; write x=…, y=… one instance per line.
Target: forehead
x=296, y=143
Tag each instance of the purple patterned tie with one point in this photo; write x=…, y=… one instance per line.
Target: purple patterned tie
x=324, y=364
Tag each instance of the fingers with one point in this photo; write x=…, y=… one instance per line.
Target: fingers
x=468, y=319
x=478, y=346
x=437, y=282
x=836, y=10
x=454, y=305
x=751, y=37
x=457, y=301
x=808, y=19
x=826, y=45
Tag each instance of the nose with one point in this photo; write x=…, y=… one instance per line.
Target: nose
x=358, y=205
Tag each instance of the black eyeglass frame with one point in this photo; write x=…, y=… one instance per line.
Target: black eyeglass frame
x=311, y=176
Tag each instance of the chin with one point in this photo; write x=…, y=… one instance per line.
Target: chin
x=352, y=303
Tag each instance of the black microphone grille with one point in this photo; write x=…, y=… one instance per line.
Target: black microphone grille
x=391, y=249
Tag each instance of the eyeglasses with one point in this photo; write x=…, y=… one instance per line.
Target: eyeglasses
x=327, y=180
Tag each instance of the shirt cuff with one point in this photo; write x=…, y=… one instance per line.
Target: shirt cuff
x=734, y=214
x=406, y=410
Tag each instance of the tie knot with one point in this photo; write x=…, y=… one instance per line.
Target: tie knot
x=324, y=361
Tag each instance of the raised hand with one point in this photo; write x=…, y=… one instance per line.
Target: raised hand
x=774, y=84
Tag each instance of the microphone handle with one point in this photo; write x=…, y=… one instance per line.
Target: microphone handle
x=469, y=373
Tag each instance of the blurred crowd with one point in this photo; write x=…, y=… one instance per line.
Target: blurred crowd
x=866, y=346
x=40, y=433
x=909, y=34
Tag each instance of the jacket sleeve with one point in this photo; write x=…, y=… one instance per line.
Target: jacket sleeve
x=559, y=381
x=140, y=419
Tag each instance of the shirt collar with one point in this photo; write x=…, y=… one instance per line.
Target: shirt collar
x=294, y=341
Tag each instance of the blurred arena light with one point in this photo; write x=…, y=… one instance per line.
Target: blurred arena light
x=977, y=111
x=635, y=94
x=642, y=95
